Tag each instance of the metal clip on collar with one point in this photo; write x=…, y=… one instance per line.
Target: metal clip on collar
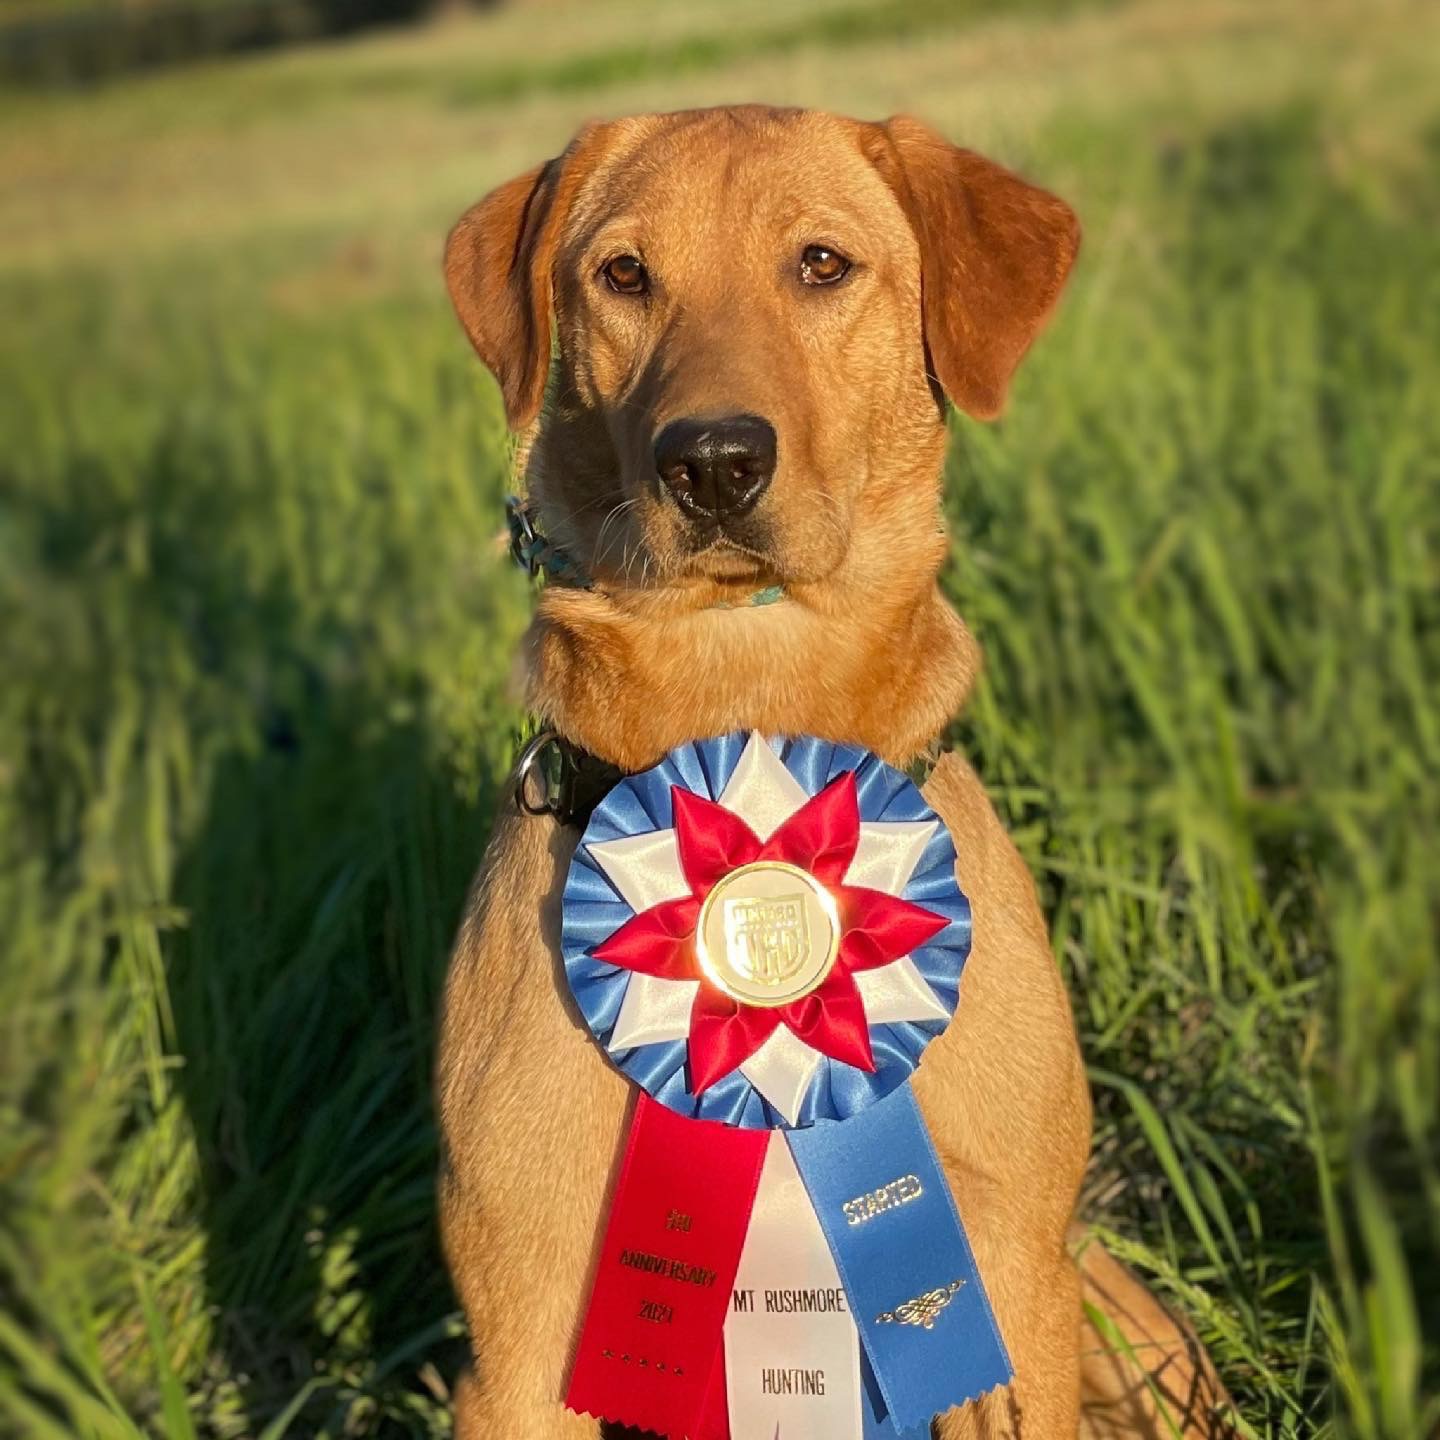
x=525, y=543
x=534, y=554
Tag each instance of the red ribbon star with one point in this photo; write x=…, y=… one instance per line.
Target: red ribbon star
x=876, y=928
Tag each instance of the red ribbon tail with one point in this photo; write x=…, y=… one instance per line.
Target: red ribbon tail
x=715, y=1418
x=652, y=1341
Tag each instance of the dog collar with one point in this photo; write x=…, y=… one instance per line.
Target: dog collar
x=543, y=559
x=555, y=776
x=538, y=557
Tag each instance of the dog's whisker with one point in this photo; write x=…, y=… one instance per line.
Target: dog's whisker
x=572, y=515
x=615, y=514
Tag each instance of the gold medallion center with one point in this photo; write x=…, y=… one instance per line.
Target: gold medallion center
x=768, y=933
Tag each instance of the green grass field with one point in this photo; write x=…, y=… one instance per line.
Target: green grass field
x=257, y=688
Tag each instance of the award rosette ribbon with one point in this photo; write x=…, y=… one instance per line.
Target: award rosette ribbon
x=764, y=936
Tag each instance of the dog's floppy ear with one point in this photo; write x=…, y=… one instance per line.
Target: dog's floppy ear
x=994, y=252
x=499, y=264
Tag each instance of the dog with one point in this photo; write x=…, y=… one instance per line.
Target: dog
x=727, y=339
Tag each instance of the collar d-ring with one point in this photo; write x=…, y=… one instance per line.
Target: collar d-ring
x=537, y=774
x=554, y=776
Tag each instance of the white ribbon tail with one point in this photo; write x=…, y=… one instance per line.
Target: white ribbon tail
x=792, y=1352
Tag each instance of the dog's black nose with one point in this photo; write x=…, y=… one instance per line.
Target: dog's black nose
x=716, y=469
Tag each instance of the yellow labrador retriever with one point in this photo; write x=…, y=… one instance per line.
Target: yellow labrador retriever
x=748, y=321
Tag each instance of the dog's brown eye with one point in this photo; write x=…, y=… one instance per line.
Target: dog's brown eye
x=820, y=265
x=625, y=275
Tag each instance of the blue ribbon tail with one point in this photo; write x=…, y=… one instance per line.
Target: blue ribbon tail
x=877, y=1424
x=925, y=1321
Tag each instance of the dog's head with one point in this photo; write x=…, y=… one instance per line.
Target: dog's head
x=756, y=313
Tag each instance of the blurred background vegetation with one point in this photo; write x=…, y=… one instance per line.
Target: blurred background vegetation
x=256, y=645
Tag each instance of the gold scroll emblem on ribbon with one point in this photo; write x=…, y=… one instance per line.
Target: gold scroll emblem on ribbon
x=923, y=1309
x=768, y=933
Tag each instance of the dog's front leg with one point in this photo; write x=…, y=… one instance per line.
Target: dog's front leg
x=1005, y=1096
x=1017, y=1225
x=1043, y=1400
x=531, y=1117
